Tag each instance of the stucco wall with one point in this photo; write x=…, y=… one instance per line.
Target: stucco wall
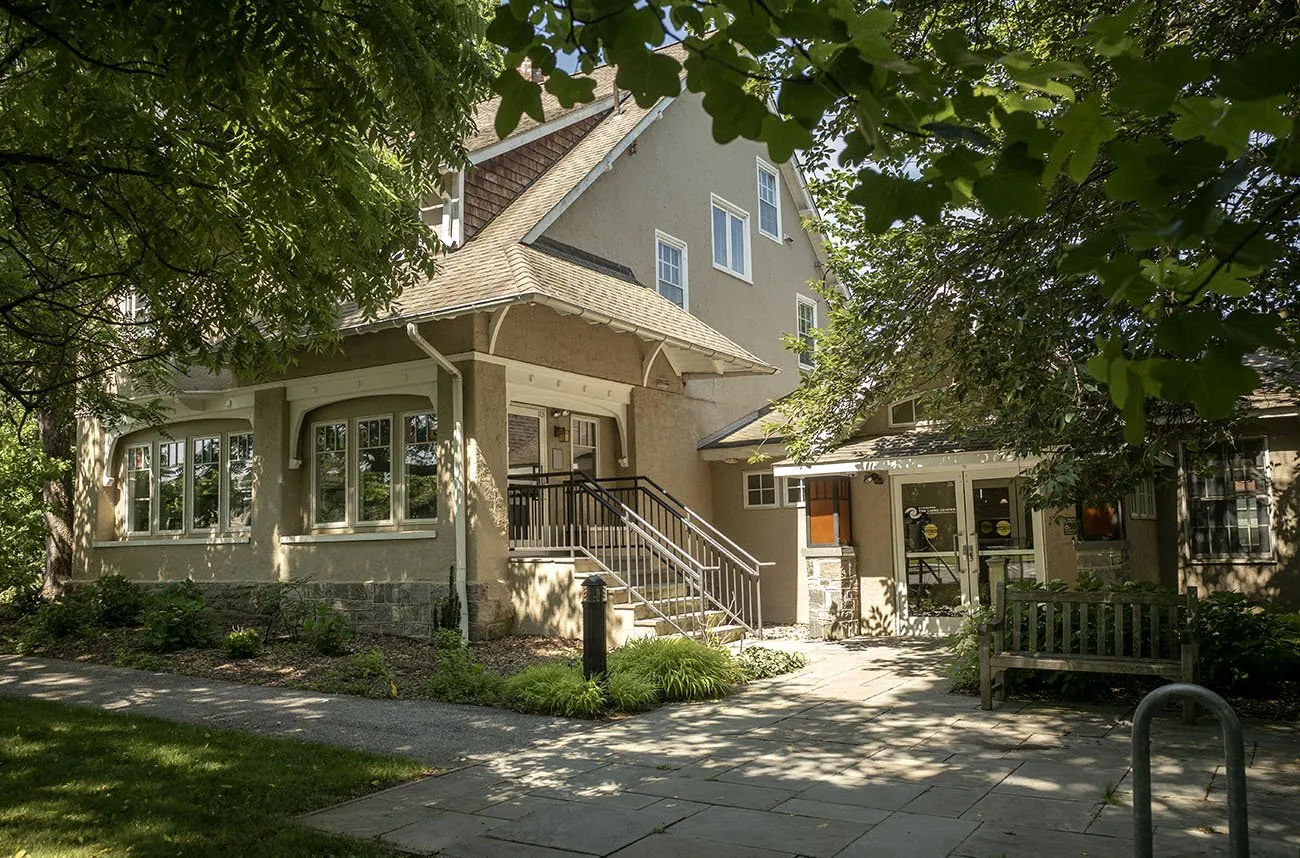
x=771, y=535
x=873, y=529
x=540, y=335
x=670, y=175
x=663, y=433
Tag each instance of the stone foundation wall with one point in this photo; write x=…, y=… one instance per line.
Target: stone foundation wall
x=834, y=610
x=1108, y=564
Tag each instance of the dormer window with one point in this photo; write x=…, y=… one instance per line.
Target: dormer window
x=909, y=412
x=444, y=213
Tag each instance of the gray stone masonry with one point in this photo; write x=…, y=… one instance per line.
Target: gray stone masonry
x=833, y=597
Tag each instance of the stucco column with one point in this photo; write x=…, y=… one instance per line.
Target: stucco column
x=88, y=519
x=663, y=433
x=489, y=609
x=275, y=499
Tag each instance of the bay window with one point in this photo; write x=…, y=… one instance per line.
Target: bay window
x=176, y=486
x=366, y=474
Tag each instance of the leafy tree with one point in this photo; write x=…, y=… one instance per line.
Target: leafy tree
x=204, y=184
x=24, y=470
x=1176, y=119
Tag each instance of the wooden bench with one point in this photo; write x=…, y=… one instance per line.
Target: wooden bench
x=1145, y=634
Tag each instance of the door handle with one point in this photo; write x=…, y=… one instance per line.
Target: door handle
x=970, y=553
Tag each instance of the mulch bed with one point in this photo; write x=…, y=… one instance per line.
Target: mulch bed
x=294, y=664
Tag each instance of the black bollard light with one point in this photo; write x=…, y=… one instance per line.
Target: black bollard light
x=593, y=627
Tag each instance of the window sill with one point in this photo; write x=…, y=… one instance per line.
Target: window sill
x=775, y=238
x=1235, y=560
x=135, y=541
x=743, y=278
x=393, y=535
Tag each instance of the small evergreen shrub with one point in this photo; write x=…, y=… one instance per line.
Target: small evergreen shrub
x=555, y=688
x=1245, y=645
x=376, y=678
x=632, y=692
x=117, y=601
x=328, y=631
x=243, y=643
x=177, y=619
x=459, y=678
x=681, y=669
x=760, y=662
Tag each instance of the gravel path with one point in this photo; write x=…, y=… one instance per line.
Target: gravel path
x=441, y=734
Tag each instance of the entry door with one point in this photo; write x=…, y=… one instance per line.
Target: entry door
x=527, y=502
x=956, y=534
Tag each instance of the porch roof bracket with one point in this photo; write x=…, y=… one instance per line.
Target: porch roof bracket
x=498, y=317
x=649, y=363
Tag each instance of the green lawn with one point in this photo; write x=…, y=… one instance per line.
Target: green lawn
x=81, y=782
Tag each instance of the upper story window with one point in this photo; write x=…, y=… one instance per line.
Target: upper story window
x=583, y=434
x=909, y=412
x=354, y=480
x=760, y=489
x=806, y=311
x=190, y=485
x=1228, y=507
x=769, y=201
x=730, y=238
x=670, y=268
x=444, y=212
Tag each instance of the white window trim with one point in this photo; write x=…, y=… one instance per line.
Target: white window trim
x=803, y=301
x=188, y=529
x=401, y=506
x=672, y=241
x=1269, y=556
x=737, y=212
x=347, y=471
x=185, y=491
x=228, y=485
x=784, y=483
x=451, y=231
x=765, y=167
x=192, y=491
x=574, y=420
x=776, y=491
x=153, y=488
x=354, y=432
x=889, y=414
x=1142, y=502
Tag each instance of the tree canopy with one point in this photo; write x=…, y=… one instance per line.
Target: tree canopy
x=206, y=183
x=1118, y=184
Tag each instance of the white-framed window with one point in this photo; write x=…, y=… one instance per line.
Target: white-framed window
x=444, y=211
x=420, y=467
x=139, y=488
x=1142, y=503
x=374, y=469
x=329, y=473
x=239, y=480
x=205, y=498
x=670, y=269
x=806, y=321
x=760, y=489
x=189, y=485
x=583, y=432
x=769, y=201
x=792, y=491
x=355, y=480
x=1229, y=510
x=908, y=412
x=730, y=238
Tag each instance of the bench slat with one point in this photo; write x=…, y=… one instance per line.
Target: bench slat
x=1137, y=630
x=1015, y=630
x=1091, y=664
x=1119, y=630
x=1102, y=612
x=1067, y=627
x=1033, y=626
x=1051, y=627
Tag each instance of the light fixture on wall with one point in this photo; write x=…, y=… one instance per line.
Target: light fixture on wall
x=874, y=478
x=558, y=414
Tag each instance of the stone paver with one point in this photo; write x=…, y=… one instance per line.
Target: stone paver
x=862, y=754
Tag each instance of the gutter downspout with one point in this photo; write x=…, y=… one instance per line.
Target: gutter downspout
x=459, y=478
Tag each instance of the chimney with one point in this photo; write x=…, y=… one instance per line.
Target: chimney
x=530, y=72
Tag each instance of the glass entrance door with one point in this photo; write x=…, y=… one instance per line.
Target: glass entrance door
x=958, y=535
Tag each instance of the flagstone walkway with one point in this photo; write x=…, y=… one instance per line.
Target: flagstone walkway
x=862, y=754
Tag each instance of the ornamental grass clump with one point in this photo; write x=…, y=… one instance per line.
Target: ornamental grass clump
x=681, y=669
x=632, y=692
x=555, y=688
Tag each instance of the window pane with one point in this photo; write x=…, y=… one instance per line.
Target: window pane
x=584, y=446
x=421, y=466
x=670, y=273
x=240, y=462
x=171, y=486
x=719, y=237
x=737, y=245
x=760, y=489
x=139, y=484
x=767, y=202
x=331, y=462
x=1228, y=502
x=207, y=482
x=375, y=469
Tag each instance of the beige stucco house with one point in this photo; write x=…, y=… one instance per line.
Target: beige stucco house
x=903, y=526
x=618, y=289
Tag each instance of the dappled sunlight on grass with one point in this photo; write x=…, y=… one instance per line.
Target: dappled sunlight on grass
x=80, y=783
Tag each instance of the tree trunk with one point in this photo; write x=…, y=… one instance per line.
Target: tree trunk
x=56, y=426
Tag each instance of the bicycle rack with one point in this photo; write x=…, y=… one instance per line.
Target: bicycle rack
x=1233, y=750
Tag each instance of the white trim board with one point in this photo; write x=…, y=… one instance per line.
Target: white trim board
x=514, y=141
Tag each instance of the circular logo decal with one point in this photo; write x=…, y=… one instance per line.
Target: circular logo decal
x=930, y=531
x=1004, y=528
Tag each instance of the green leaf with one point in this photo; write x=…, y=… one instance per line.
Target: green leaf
x=953, y=48
x=1229, y=125
x=805, y=99
x=1187, y=333
x=569, y=90
x=1083, y=130
x=1013, y=187
x=648, y=75
x=1213, y=384
x=518, y=96
x=887, y=199
x=510, y=32
x=1150, y=86
x=1111, y=34
x=1268, y=70
x=736, y=113
x=784, y=137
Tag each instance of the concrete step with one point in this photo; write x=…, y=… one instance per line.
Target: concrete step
x=687, y=622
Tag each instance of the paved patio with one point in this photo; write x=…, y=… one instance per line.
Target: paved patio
x=862, y=754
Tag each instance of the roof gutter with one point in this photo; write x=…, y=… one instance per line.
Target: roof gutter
x=459, y=478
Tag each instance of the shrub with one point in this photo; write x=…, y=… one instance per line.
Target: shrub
x=681, y=669
x=965, y=647
x=71, y=616
x=555, y=688
x=328, y=631
x=1244, y=645
x=377, y=680
x=632, y=692
x=280, y=606
x=459, y=678
x=243, y=643
x=177, y=619
x=760, y=662
x=117, y=601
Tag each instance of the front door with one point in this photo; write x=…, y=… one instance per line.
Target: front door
x=955, y=535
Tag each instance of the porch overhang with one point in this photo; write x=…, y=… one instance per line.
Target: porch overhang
x=920, y=449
